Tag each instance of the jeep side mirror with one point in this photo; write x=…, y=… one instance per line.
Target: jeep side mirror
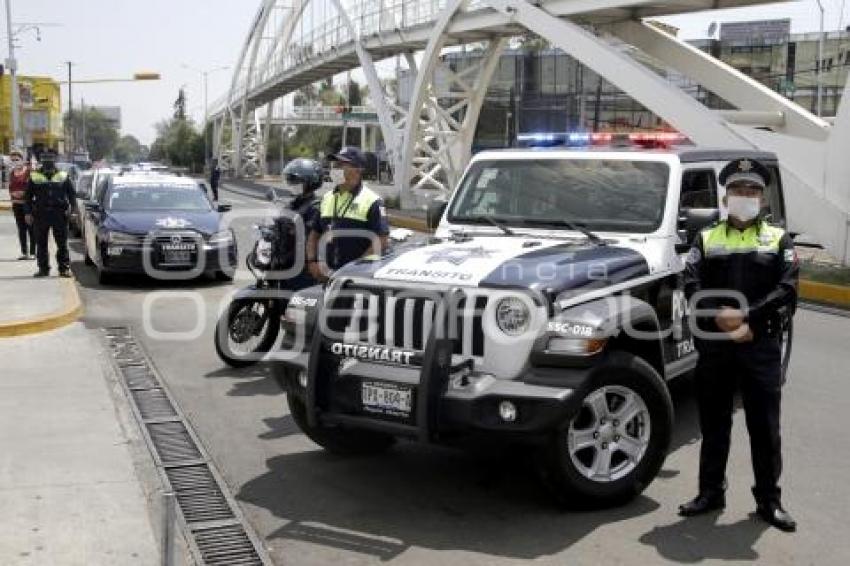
x=434, y=213
x=271, y=195
x=691, y=221
x=225, y=207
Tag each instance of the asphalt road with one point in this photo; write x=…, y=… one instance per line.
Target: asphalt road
x=427, y=505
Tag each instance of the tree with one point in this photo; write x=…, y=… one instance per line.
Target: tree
x=128, y=150
x=179, y=143
x=180, y=105
x=94, y=132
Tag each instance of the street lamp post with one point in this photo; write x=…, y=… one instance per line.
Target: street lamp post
x=819, y=103
x=205, y=74
x=12, y=64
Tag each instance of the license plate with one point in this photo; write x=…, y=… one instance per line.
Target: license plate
x=177, y=256
x=387, y=399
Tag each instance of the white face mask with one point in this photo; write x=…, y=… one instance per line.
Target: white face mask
x=744, y=209
x=337, y=176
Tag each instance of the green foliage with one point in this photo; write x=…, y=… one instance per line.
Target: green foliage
x=129, y=150
x=179, y=143
x=101, y=136
x=180, y=105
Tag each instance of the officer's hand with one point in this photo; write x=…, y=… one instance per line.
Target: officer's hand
x=729, y=320
x=28, y=219
x=742, y=334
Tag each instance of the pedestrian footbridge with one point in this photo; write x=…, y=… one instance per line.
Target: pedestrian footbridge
x=294, y=43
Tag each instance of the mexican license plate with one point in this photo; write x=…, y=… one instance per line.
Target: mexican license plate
x=387, y=398
x=177, y=256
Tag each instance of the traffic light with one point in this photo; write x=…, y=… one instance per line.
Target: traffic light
x=146, y=76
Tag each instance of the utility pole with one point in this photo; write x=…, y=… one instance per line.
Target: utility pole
x=819, y=104
x=12, y=65
x=71, y=137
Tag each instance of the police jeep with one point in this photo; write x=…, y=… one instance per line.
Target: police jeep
x=547, y=308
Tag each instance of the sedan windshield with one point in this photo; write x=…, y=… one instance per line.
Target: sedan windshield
x=159, y=197
x=598, y=194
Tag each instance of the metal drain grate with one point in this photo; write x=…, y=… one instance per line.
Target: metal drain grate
x=154, y=404
x=212, y=522
x=139, y=377
x=225, y=546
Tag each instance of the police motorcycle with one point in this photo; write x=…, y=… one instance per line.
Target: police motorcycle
x=250, y=324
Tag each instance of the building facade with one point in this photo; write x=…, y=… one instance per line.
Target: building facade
x=538, y=89
x=40, y=114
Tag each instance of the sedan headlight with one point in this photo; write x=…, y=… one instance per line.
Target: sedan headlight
x=223, y=237
x=121, y=239
x=513, y=316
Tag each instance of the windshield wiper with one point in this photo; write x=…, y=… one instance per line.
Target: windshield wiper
x=578, y=227
x=499, y=225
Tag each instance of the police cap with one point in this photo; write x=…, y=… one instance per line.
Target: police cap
x=747, y=171
x=350, y=155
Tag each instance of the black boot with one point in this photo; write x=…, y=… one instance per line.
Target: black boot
x=42, y=273
x=773, y=513
x=703, y=503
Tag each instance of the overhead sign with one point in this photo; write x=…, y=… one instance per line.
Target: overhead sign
x=759, y=32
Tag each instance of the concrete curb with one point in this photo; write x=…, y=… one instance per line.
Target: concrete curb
x=5, y=205
x=825, y=293
x=70, y=311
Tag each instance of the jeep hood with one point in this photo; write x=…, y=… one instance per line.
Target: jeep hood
x=507, y=262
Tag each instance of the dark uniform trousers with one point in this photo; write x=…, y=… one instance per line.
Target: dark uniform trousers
x=44, y=221
x=755, y=369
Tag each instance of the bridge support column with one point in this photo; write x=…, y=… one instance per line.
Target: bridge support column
x=440, y=126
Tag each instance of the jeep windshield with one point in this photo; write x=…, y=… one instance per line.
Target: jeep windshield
x=608, y=195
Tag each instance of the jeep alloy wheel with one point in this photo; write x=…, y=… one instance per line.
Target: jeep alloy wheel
x=610, y=435
x=615, y=442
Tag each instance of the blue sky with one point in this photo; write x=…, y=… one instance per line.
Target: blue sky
x=115, y=38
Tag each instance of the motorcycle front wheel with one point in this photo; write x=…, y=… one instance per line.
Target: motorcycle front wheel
x=246, y=331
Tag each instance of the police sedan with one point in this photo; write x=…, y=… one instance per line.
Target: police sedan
x=159, y=225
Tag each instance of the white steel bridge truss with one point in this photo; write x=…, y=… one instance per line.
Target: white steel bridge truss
x=294, y=43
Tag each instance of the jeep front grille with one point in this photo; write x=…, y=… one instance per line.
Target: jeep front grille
x=386, y=318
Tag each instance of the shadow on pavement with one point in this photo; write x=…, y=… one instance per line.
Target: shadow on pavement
x=701, y=538
x=422, y=496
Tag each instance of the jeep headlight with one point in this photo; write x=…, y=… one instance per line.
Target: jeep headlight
x=121, y=239
x=513, y=316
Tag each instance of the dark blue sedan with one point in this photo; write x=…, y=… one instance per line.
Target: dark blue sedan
x=159, y=225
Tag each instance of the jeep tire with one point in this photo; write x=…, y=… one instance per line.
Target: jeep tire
x=613, y=447
x=338, y=440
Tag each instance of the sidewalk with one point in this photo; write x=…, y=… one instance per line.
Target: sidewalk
x=30, y=305
x=69, y=493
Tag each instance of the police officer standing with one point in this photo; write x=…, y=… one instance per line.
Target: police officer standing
x=352, y=215
x=215, y=178
x=48, y=200
x=746, y=271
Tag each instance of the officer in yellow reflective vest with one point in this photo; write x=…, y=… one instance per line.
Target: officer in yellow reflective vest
x=47, y=202
x=743, y=271
x=352, y=219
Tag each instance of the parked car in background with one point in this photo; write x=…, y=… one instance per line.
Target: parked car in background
x=83, y=188
x=157, y=225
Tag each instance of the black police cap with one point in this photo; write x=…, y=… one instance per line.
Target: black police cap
x=350, y=155
x=745, y=170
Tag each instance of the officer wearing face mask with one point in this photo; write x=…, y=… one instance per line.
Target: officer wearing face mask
x=740, y=342
x=352, y=216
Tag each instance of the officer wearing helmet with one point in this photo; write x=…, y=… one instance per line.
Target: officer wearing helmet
x=48, y=200
x=302, y=178
x=352, y=218
x=744, y=271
